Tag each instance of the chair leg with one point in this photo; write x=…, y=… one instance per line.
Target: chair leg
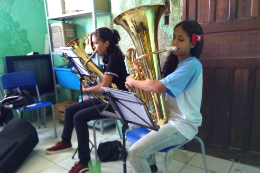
x=44, y=115
x=31, y=114
x=119, y=132
x=19, y=114
x=39, y=124
x=203, y=153
x=102, y=127
x=75, y=153
x=92, y=146
x=54, y=121
x=95, y=140
x=166, y=160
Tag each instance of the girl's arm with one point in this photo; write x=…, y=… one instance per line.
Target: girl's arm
x=147, y=85
x=106, y=82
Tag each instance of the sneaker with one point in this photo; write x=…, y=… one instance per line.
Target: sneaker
x=79, y=168
x=59, y=147
x=153, y=168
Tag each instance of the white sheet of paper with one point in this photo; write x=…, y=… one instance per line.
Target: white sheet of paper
x=130, y=101
x=70, y=52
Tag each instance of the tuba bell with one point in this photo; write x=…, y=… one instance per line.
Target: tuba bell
x=141, y=23
x=93, y=70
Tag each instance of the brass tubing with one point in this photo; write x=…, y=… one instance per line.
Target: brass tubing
x=173, y=48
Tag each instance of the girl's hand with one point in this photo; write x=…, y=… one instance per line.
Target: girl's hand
x=84, y=88
x=129, y=81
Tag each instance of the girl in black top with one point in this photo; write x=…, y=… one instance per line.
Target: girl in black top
x=105, y=42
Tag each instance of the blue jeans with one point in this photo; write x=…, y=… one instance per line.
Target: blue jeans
x=139, y=154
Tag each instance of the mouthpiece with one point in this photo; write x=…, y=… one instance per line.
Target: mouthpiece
x=93, y=54
x=173, y=48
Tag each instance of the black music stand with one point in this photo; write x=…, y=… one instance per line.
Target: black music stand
x=81, y=72
x=129, y=108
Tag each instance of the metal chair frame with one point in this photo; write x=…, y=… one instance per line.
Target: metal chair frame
x=1, y=93
x=132, y=136
x=24, y=79
x=94, y=136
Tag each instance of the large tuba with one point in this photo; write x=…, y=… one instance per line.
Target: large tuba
x=94, y=71
x=141, y=23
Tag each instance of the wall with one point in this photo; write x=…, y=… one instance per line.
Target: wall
x=22, y=29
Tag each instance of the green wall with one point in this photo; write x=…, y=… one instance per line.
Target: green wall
x=22, y=28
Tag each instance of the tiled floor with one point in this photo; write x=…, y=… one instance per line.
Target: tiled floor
x=181, y=161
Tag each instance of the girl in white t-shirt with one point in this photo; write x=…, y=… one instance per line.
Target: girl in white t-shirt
x=183, y=87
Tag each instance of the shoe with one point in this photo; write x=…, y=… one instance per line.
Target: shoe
x=59, y=147
x=153, y=168
x=79, y=168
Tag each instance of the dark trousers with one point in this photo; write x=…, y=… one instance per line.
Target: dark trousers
x=78, y=116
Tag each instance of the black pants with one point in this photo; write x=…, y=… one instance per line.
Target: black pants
x=78, y=116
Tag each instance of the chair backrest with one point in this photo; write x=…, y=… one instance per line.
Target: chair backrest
x=19, y=79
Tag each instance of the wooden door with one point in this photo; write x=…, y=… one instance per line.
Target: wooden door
x=231, y=69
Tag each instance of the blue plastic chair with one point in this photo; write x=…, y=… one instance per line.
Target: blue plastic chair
x=136, y=134
x=24, y=79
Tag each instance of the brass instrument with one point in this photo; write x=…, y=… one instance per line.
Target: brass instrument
x=90, y=66
x=141, y=23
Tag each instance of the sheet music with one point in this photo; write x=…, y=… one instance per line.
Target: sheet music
x=129, y=100
x=68, y=51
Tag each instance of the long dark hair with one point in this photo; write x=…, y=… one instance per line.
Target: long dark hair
x=190, y=27
x=106, y=34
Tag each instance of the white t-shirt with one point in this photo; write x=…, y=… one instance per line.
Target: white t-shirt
x=183, y=97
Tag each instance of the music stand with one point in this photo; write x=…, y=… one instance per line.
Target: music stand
x=129, y=108
x=80, y=71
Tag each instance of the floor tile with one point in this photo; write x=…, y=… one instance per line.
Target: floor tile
x=182, y=155
x=173, y=165
x=193, y=169
x=55, y=169
x=34, y=163
x=68, y=163
x=214, y=164
x=114, y=167
x=241, y=168
x=180, y=161
x=56, y=158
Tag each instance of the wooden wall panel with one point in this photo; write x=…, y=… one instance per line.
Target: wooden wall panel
x=232, y=11
x=203, y=10
x=237, y=25
x=192, y=12
x=212, y=11
x=241, y=107
x=221, y=106
x=243, y=9
x=231, y=97
x=255, y=122
x=207, y=102
x=231, y=77
x=255, y=6
x=232, y=44
x=222, y=6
